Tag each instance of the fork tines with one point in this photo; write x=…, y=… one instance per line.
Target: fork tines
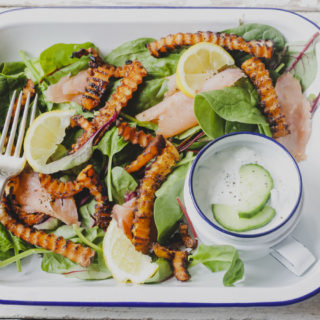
x=14, y=112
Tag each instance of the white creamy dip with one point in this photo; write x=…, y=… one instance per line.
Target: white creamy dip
x=216, y=179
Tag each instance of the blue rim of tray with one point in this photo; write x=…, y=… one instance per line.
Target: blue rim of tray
x=160, y=304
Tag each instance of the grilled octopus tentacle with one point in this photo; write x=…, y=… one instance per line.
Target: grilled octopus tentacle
x=153, y=145
x=87, y=178
x=90, y=180
x=179, y=262
x=129, y=84
x=29, y=219
x=162, y=252
x=94, y=56
x=152, y=149
x=59, y=189
x=259, y=75
x=178, y=258
x=97, y=84
x=133, y=75
x=133, y=135
x=258, y=48
x=186, y=238
x=152, y=180
x=73, y=251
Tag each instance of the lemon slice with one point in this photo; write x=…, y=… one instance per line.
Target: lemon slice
x=123, y=260
x=44, y=135
x=197, y=64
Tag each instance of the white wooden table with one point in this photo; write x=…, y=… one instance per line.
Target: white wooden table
x=306, y=310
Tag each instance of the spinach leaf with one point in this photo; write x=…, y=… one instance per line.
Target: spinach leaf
x=33, y=69
x=136, y=50
x=210, y=122
x=218, y=258
x=66, y=232
x=307, y=67
x=265, y=129
x=109, y=145
x=122, y=182
x=60, y=55
x=236, y=104
x=9, y=83
x=163, y=273
x=70, y=70
x=167, y=212
x=87, y=213
x=5, y=241
x=55, y=263
x=257, y=31
x=232, y=126
x=10, y=68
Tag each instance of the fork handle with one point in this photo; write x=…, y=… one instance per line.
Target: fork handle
x=3, y=181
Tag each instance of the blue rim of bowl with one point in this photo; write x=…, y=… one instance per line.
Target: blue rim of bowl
x=217, y=227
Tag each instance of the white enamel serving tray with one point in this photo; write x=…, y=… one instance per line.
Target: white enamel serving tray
x=266, y=281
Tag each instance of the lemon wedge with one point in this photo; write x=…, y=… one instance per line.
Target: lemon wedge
x=44, y=135
x=123, y=260
x=197, y=64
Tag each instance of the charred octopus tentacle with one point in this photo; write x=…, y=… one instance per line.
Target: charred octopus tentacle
x=87, y=178
x=258, y=48
x=259, y=75
x=73, y=251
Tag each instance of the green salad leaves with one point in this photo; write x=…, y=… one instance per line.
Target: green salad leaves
x=229, y=109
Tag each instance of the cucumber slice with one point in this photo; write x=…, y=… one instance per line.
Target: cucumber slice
x=227, y=216
x=254, y=190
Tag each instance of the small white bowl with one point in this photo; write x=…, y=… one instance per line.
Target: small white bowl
x=286, y=197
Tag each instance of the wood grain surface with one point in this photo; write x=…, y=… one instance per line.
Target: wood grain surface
x=306, y=310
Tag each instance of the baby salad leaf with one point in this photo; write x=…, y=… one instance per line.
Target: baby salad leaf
x=55, y=263
x=232, y=126
x=257, y=31
x=109, y=145
x=218, y=258
x=307, y=67
x=10, y=68
x=122, y=182
x=210, y=122
x=71, y=70
x=87, y=214
x=5, y=240
x=236, y=104
x=136, y=50
x=33, y=69
x=163, y=273
x=167, y=212
x=60, y=55
x=9, y=83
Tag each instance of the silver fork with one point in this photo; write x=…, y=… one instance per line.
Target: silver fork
x=11, y=165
